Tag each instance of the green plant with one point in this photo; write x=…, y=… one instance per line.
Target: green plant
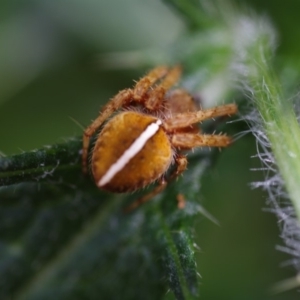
x=62, y=237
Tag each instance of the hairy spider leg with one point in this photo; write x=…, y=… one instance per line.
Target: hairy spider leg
x=186, y=119
x=123, y=97
x=157, y=95
x=142, y=86
x=189, y=141
x=171, y=78
x=181, y=164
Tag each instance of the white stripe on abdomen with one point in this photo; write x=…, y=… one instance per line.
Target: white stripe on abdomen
x=135, y=148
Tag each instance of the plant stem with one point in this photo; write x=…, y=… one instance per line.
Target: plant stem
x=277, y=115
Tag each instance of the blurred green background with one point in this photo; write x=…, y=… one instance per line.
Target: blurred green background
x=51, y=75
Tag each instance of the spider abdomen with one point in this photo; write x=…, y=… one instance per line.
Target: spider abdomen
x=131, y=151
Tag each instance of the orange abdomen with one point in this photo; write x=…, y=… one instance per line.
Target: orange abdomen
x=146, y=165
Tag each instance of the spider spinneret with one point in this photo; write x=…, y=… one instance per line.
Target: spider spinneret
x=138, y=145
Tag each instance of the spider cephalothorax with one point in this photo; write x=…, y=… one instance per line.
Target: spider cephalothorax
x=137, y=146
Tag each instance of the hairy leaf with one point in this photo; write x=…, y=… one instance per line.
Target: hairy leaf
x=62, y=237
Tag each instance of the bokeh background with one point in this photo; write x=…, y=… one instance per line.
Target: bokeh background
x=52, y=79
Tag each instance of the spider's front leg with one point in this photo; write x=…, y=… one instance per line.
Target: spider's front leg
x=123, y=98
x=142, y=86
x=157, y=94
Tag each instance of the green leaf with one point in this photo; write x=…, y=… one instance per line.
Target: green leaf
x=53, y=162
x=62, y=237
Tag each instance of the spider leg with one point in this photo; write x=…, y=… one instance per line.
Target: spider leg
x=157, y=95
x=183, y=120
x=191, y=140
x=181, y=201
x=171, y=78
x=181, y=162
x=159, y=188
x=142, y=86
x=122, y=98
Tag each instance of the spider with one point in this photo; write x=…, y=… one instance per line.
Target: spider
x=137, y=146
